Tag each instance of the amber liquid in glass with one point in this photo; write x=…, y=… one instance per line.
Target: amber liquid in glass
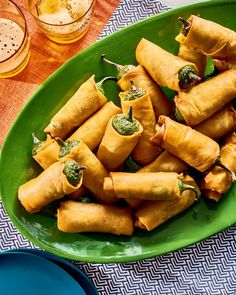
x=63, y=21
x=14, y=48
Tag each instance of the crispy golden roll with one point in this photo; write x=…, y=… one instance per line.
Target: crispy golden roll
x=195, y=57
x=161, y=104
x=144, y=186
x=145, y=151
x=92, y=130
x=85, y=102
x=94, y=174
x=162, y=66
x=219, y=124
x=47, y=154
x=218, y=180
x=205, y=99
x=191, y=146
x=166, y=162
x=78, y=217
x=210, y=38
x=154, y=213
x=50, y=185
x=115, y=148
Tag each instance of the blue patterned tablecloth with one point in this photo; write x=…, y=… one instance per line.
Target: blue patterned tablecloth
x=207, y=268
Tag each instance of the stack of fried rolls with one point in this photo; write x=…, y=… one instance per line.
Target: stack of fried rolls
x=162, y=66
x=144, y=152
x=160, y=103
x=210, y=38
x=207, y=98
x=176, y=140
x=218, y=180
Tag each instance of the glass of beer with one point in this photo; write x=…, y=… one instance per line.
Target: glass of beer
x=14, y=40
x=62, y=21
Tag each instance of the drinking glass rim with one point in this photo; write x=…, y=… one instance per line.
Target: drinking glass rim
x=25, y=31
x=61, y=25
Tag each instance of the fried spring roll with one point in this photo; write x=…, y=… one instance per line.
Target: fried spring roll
x=45, y=152
x=218, y=181
x=192, y=55
x=121, y=136
x=59, y=179
x=191, y=146
x=219, y=124
x=85, y=102
x=78, y=217
x=166, y=162
x=207, y=98
x=160, y=103
x=95, y=172
x=154, y=213
x=165, y=68
x=209, y=38
x=145, y=186
x=92, y=130
x=145, y=151
x=126, y=73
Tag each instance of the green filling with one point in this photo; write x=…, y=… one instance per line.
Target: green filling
x=66, y=148
x=124, y=125
x=134, y=93
x=124, y=70
x=73, y=172
x=187, y=77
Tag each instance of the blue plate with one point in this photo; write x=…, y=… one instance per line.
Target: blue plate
x=26, y=274
x=75, y=272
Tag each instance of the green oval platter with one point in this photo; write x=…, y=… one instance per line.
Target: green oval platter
x=199, y=222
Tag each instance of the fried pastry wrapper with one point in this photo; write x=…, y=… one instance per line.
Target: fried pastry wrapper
x=78, y=193
x=210, y=39
x=49, y=186
x=207, y=98
x=166, y=162
x=78, y=217
x=144, y=186
x=153, y=213
x=194, y=56
x=47, y=154
x=115, y=148
x=145, y=151
x=191, y=146
x=161, y=65
x=92, y=130
x=222, y=65
x=94, y=174
x=160, y=103
x=219, y=124
x=218, y=180
x=85, y=102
